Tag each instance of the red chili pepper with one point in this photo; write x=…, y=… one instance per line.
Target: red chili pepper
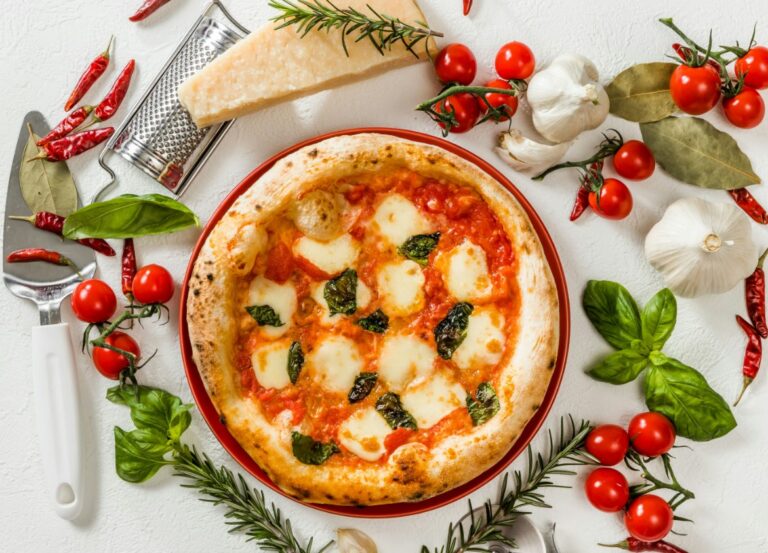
x=147, y=8
x=128, y=267
x=750, y=205
x=581, y=203
x=690, y=57
x=467, y=6
x=635, y=545
x=754, y=291
x=69, y=146
x=67, y=125
x=91, y=75
x=45, y=220
x=39, y=254
x=753, y=355
x=111, y=102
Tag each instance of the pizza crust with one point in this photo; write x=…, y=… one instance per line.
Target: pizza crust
x=412, y=472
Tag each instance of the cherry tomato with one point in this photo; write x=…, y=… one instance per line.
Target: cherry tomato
x=506, y=103
x=608, y=444
x=649, y=518
x=754, y=66
x=695, y=90
x=153, y=284
x=110, y=363
x=456, y=64
x=93, y=301
x=515, y=61
x=634, y=160
x=465, y=111
x=607, y=490
x=746, y=109
x=651, y=434
x=615, y=200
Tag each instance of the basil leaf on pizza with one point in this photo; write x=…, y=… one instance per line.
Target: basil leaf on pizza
x=264, y=315
x=484, y=405
x=390, y=407
x=377, y=322
x=295, y=361
x=364, y=384
x=341, y=293
x=417, y=248
x=451, y=331
x=310, y=451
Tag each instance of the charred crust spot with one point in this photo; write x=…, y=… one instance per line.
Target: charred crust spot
x=209, y=276
x=432, y=160
x=223, y=420
x=330, y=496
x=302, y=493
x=374, y=161
x=388, y=147
x=258, y=207
x=196, y=292
x=289, y=164
x=551, y=364
x=312, y=153
x=536, y=407
x=208, y=262
x=199, y=346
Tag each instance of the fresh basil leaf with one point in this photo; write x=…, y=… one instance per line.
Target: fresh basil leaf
x=451, y=331
x=394, y=413
x=417, y=248
x=684, y=396
x=619, y=367
x=137, y=460
x=129, y=216
x=264, y=315
x=613, y=312
x=658, y=317
x=295, y=361
x=377, y=322
x=309, y=451
x=364, y=384
x=484, y=405
x=153, y=409
x=341, y=293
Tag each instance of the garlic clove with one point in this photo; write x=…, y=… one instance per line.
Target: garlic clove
x=524, y=154
x=350, y=540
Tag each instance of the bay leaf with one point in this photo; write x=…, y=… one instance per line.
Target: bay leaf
x=46, y=185
x=641, y=92
x=693, y=151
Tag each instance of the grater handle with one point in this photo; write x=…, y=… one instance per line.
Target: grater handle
x=108, y=169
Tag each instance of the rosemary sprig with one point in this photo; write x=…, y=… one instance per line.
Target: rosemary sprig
x=380, y=29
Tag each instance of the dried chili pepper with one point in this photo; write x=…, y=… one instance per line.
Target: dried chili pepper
x=111, y=102
x=69, y=146
x=581, y=203
x=39, y=254
x=749, y=205
x=147, y=8
x=67, y=125
x=45, y=220
x=128, y=267
x=467, y=6
x=754, y=291
x=753, y=355
x=635, y=545
x=91, y=75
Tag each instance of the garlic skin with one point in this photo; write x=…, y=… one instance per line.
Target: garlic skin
x=567, y=99
x=701, y=247
x=350, y=540
x=524, y=154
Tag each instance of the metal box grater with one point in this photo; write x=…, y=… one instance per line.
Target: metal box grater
x=158, y=136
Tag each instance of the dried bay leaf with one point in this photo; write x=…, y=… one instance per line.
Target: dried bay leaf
x=46, y=185
x=641, y=92
x=693, y=151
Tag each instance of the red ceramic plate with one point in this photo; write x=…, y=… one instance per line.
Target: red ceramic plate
x=398, y=509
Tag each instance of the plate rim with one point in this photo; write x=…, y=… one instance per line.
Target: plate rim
x=393, y=510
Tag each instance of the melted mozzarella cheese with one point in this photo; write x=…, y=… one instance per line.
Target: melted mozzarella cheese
x=363, y=297
x=331, y=257
x=335, y=362
x=465, y=272
x=433, y=398
x=270, y=364
x=397, y=219
x=400, y=286
x=280, y=297
x=404, y=358
x=363, y=434
x=484, y=343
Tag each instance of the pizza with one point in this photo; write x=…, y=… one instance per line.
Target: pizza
x=374, y=319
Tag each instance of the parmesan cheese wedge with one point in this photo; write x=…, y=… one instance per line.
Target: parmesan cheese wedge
x=269, y=65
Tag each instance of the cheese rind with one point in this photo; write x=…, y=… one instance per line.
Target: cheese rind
x=404, y=358
x=335, y=362
x=484, y=343
x=332, y=256
x=270, y=364
x=433, y=398
x=280, y=297
x=397, y=219
x=363, y=434
x=401, y=288
x=465, y=272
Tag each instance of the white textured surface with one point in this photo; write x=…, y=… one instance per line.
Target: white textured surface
x=45, y=43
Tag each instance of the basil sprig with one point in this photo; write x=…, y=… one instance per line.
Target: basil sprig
x=394, y=413
x=363, y=386
x=310, y=451
x=484, y=405
x=417, y=248
x=672, y=388
x=341, y=293
x=377, y=322
x=451, y=331
x=295, y=361
x=264, y=315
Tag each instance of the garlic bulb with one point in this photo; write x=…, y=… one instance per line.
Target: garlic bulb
x=524, y=154
x=701, y=247
x=567, y=99
x=349, y=540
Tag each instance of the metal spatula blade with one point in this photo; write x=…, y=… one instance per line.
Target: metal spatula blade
x=57, y=407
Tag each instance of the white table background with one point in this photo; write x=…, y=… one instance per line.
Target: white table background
x=44, y=45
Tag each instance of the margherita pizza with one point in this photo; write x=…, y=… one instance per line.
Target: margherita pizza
x=374, y=320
